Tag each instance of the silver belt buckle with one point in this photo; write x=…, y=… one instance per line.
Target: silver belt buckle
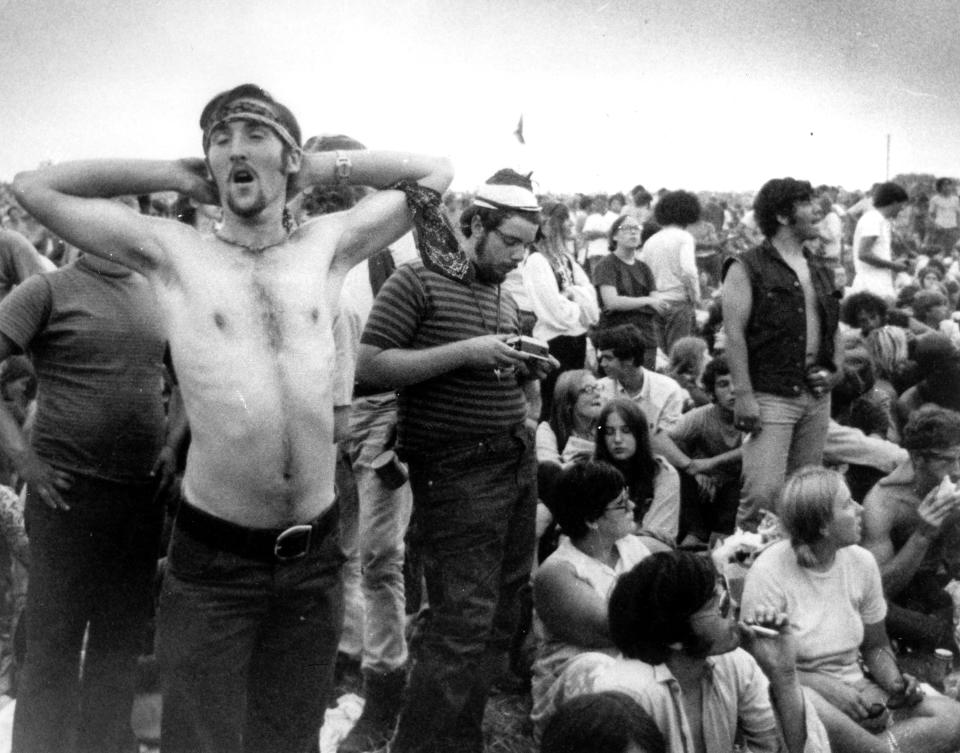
x=293, y=543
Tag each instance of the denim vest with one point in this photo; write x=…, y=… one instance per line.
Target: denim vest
x=776, y=332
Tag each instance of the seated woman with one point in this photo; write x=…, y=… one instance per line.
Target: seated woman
x=830, y=589
x=571, y=587
x=569, y=434
x=682, y=660
x=623, y=440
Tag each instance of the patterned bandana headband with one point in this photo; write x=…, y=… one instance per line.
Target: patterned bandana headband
x=244, y=109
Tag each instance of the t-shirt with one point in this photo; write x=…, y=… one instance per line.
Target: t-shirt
x=660, y=398
x=18, y=260
x=831, y=231
x=827, y=610
x=634, y=280
x=599, y=223
x=945, y=210
x=878, y=280
x=95, y=341
x=701, y=434
x=418, y=309
x=671, y=256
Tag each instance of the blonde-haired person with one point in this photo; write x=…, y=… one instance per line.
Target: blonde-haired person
x=570, y=432
x=830, y=589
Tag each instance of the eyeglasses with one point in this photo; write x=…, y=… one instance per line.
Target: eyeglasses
x=628, y=229
x=722, y=598
x=508, y=240
x=590, y=389
x=620, y=503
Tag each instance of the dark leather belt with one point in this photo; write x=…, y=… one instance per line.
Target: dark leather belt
x=264, y=544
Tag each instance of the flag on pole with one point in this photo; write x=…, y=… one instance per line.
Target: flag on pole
x=519, y=132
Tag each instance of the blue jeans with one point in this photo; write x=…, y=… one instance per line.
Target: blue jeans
x=473, y=524
x=793, y=432
x=246, y=648
x=679, y=320
x=373, y=522
x=92, y=570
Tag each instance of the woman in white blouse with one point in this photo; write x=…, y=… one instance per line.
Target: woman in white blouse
x=561, y=296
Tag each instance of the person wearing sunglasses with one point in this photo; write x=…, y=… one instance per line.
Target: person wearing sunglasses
x=830, y=590
x=705, y=678
x=571, y=587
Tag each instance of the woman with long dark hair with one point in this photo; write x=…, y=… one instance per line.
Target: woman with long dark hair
x=623, y=440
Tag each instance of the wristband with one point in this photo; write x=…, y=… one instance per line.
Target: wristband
x=342, y=168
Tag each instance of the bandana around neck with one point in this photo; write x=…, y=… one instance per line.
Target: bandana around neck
x=244, y=109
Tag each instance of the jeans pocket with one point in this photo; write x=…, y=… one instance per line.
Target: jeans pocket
x=189, y=559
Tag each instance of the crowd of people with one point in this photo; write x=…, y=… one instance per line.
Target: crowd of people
x=255, y=428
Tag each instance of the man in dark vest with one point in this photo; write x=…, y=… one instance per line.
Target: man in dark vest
x=780, y=311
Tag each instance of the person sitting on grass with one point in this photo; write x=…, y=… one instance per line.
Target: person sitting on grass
x=571, y=587
x=830, y=589
x=682, y=661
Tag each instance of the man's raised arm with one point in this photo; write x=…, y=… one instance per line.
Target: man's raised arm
x=72, y=200
x=379, y=219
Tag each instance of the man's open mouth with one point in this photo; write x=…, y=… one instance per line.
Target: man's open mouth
x=241, y=175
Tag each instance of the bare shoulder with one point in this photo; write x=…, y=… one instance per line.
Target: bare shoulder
x=553, y=574
x=882, y=511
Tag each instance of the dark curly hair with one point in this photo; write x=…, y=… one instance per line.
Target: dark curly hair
x=863, y=300
x=651, y=606
x=931, y=428
x=607, y=722
x=581, y=495
x=677, y=208
x=778, y=198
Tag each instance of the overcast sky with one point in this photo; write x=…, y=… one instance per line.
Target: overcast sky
x=677, y=93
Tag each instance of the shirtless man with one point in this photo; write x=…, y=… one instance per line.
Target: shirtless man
x=780, y=314
x=912, y=527
x=252, y=597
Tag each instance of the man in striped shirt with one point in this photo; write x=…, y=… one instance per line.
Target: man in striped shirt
x=462, y=430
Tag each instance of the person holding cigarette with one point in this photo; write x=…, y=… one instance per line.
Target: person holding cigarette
x=831, y=591
x=682, y=659
x=571, y=588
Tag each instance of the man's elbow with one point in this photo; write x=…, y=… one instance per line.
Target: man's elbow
x=23, y=186
x=371, y=369
x=441, y=176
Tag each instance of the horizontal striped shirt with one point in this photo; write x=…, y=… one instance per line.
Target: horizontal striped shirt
x=419, y=309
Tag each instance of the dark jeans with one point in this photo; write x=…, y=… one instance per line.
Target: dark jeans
x=474, y=508
x=91, y=570
x=247, y=648
x=679, y=320
x=702, y=516
x=921, y=615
